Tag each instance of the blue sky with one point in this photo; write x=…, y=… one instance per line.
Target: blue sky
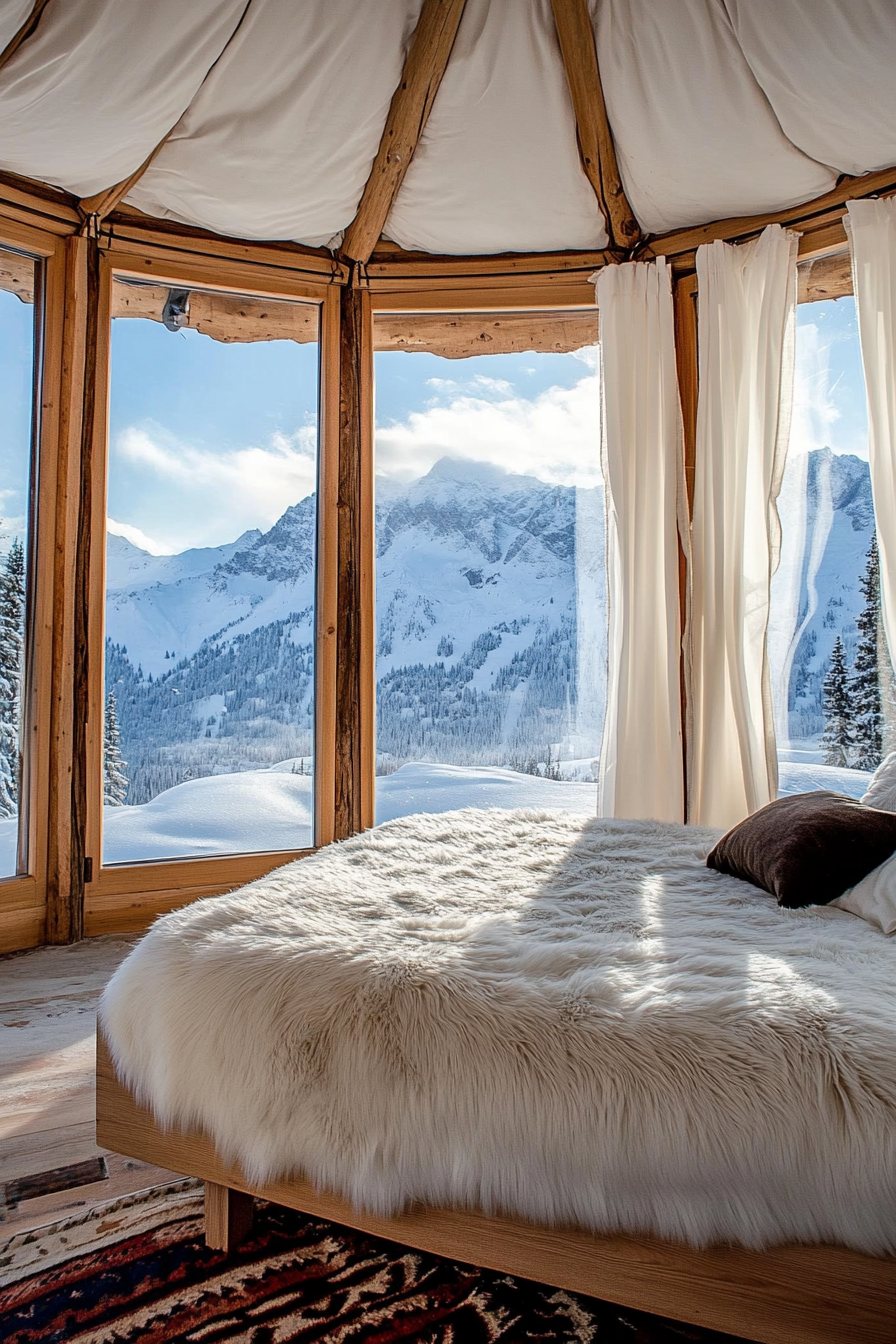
x=16, y=369
x=829, y=392
x=207, y=440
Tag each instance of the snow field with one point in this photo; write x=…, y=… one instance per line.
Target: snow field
x=260, y=810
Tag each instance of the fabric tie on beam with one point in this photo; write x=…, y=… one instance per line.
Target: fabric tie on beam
x=746, y=303
x=871, y=229
x=641, y=772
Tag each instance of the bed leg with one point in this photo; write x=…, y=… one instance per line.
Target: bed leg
x=228, y=1217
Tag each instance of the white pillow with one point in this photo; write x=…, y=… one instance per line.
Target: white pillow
x=874, y=898
x=881, y=791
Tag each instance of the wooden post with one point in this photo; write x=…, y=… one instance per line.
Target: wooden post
x=25, y=30
x=411, y=104
x=354, y=621
x=65, y=887
x=228, y=1217
x=685, y=302
x=596, y=149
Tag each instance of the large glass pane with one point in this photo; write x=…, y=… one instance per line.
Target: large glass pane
x=835, y=712
x=490, y=581
x=210, y=575
x=17, y=280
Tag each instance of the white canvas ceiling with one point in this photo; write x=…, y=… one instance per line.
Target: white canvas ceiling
x=275, y=110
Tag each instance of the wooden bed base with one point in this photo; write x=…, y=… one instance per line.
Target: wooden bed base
x=788, y=1295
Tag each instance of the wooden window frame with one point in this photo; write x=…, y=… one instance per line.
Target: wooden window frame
x=550, y=292
x=23, y=897
x=125, y=897
x=47, y=904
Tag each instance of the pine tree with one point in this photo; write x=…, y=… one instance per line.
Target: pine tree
x=867, y=708
x=115, y=781
x=12, y=644
x=838, y=736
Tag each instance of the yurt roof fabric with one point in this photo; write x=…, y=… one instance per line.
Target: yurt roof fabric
x=273, y=112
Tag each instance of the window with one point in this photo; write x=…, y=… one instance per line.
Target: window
x=17, y=474
x=210, y=574
x=832, y=678
x=491, y=616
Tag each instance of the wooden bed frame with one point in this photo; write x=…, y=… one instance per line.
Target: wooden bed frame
x=788, y=1295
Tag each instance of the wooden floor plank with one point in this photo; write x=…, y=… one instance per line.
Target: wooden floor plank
x=48, y=1001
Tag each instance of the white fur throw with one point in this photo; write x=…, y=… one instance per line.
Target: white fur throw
x=569, y=1019
x=881, y=791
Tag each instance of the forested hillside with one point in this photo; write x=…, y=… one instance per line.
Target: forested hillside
x=491, y=627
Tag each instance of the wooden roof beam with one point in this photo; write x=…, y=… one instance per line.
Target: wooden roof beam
x=24, y=32
x=94, y=209
x=596, y=148
x=819, y=220
x=408, y=113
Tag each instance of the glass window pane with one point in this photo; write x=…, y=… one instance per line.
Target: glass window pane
x=210, y=575
x=490, y=581
x=17, y=282
x=832, y=680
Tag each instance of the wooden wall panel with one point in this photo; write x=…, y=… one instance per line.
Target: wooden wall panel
x=23, y=899
x=355, y=369
x=126, y=898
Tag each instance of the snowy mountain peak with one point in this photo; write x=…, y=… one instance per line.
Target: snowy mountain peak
x=283, y=554
x=480, y=508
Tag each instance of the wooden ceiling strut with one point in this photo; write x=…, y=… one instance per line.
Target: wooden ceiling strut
x=24, y=32
x=94, y=209
x=596, y=148
x=408, y=113
x=823, y=215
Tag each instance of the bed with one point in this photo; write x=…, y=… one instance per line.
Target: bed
x=553, y=1045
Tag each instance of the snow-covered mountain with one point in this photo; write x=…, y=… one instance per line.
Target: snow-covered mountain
x=827, y=522
x=163, y=607
x=491, y=625
x=491, y=633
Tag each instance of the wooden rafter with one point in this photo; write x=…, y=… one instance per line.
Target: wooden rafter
x=94, y=209
x=460, y=335
x=821, y=216
x=596, y=148
x=24, y=32
x=408, y=113
x=827, y=277
x=233, y=318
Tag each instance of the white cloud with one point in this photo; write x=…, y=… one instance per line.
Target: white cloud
x=814, y=410
x=188, y=495
x=554, y=436
x=486, y=384
x=137, y=537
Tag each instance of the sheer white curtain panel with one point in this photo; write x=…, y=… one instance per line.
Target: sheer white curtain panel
x=746, y=304
x=641, y=771
x=871, y=228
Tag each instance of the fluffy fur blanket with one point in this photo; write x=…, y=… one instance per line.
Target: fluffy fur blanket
x=567, y=1019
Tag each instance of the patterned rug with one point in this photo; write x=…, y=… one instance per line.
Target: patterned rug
x=301, y=1279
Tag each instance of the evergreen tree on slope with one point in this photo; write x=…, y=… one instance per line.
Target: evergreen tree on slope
x=838, y=736
x=115, y=781
x=867, y=708
x=12, y=642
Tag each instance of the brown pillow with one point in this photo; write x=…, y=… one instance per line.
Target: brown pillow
x=807, y=849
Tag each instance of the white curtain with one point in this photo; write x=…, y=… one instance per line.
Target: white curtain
x=745, y=313
x=871, y=227
x=641, y=759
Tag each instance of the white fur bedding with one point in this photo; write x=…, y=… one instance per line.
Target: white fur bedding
x=569, y=1019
